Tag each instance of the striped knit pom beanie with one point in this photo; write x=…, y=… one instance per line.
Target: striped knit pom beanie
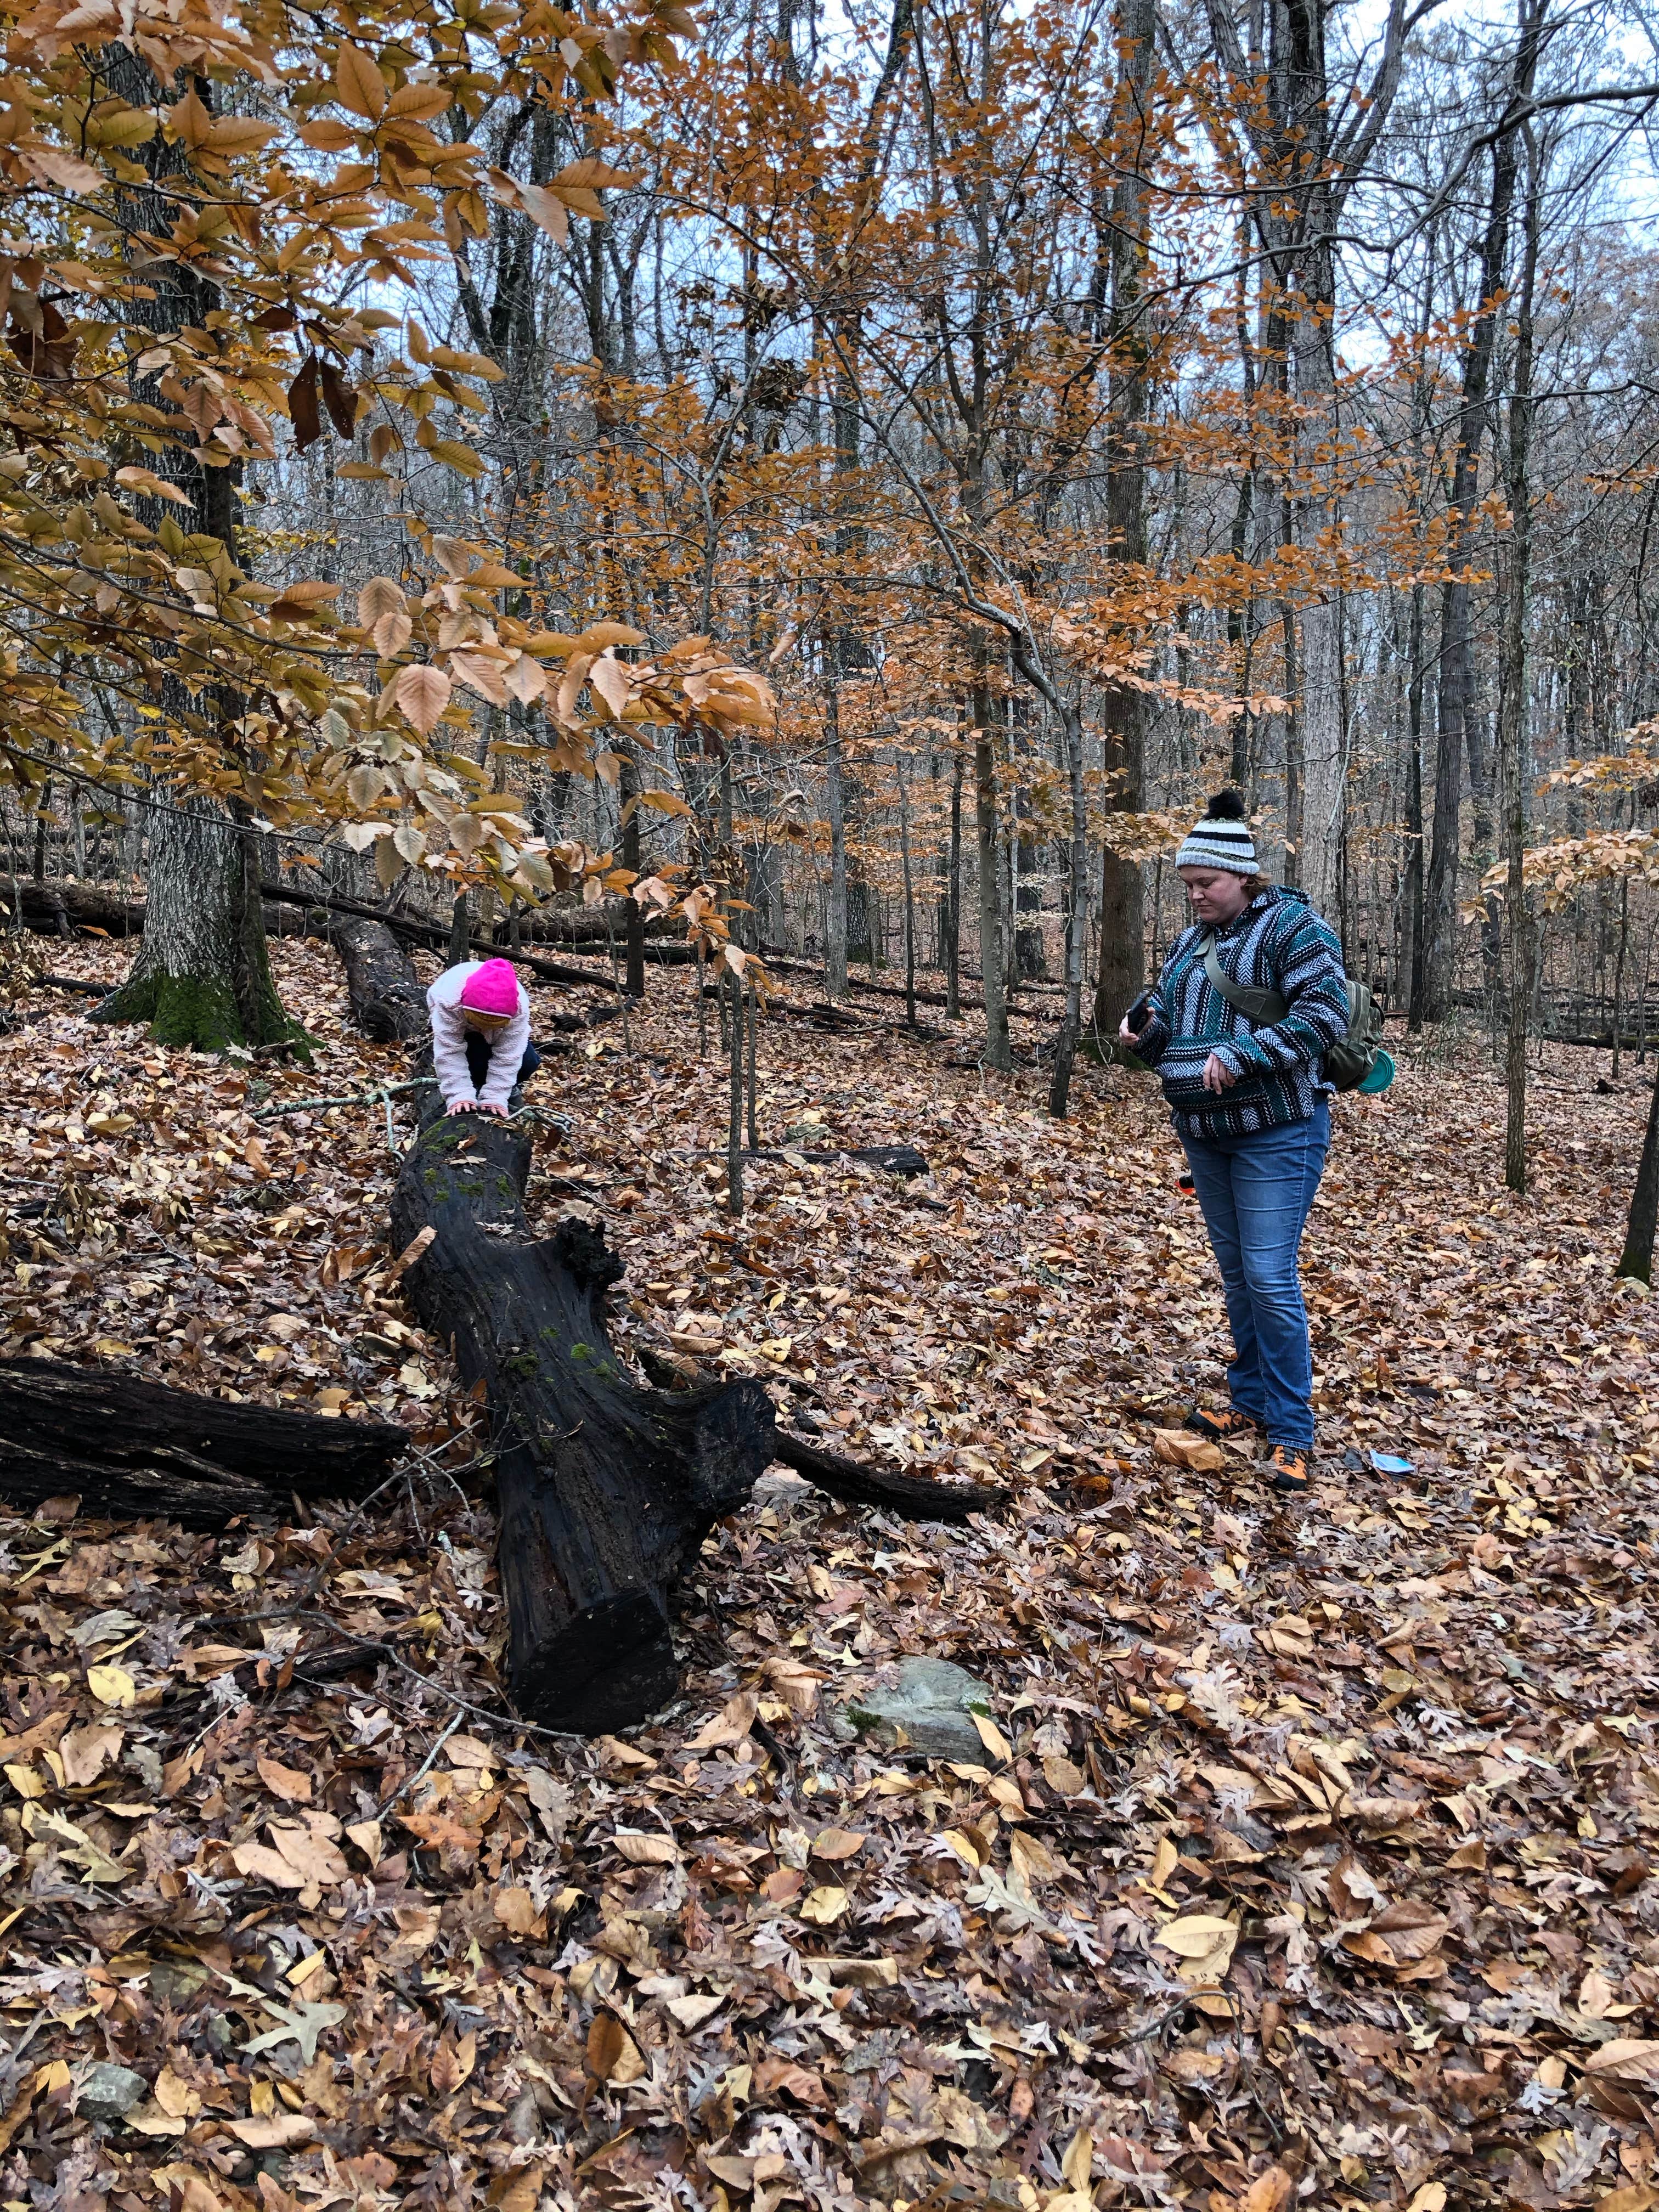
x=1221, y=840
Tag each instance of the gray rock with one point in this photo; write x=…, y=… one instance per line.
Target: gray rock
x=931, y=1701
x=109, y=2091
x=178, y=1980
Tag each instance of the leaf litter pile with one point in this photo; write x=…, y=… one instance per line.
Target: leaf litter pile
x=1293, y=1852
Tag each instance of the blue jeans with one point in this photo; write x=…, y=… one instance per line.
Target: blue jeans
x=1255, y=1192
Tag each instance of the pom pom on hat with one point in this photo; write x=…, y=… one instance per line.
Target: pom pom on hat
x=492, y=988
x=1221, y=839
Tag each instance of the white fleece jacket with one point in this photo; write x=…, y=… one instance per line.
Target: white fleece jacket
x=449, y=1036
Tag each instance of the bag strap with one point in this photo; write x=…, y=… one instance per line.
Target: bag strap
x=1262, y=1007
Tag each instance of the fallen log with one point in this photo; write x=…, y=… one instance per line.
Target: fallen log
x=77, y=984
x=134, y=1450
x=56, y=909
x=892, y=1160
x=605, y=1491
x=917, y=1496
x=386, y=999
x=437, y=934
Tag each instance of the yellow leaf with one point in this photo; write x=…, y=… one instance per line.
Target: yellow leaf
x=823, y=1907
x=1204, y=1939
x=112, y=1686
x=456, y=456
x=729, y=1726
x=419, y=102
x=288, y=1783
x=542, y=208
x=1269, y=2190
x=838, y=1844
x=594, y=174
x=176, y=2097
x=280, y=2131
x=1430, y=2197
x=647, y=1850
x=1074, y=2167
x=380, y=595
x=991, y=1737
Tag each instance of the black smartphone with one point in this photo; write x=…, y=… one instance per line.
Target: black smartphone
x=1140, y=1014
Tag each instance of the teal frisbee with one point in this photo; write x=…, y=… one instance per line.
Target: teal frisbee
x=1381, y=1077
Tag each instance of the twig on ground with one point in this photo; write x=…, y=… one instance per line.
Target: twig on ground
x=381, y=1091
x=421, y=1772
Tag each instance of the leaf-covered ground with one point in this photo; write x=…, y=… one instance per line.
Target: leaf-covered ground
x=1307, y=1855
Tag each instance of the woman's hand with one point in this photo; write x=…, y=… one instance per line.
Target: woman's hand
x=1125, y=1034
x=1217, y=1076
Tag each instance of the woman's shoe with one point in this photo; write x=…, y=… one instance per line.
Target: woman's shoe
x=1221, y=1428
x=1288, y=1467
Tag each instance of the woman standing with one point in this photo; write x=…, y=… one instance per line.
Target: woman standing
x=1251, y=998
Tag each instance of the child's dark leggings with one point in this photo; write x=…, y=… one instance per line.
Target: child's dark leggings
x=478, y=1051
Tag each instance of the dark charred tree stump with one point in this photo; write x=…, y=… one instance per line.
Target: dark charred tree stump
x=605, y=1490
x=134, y=1450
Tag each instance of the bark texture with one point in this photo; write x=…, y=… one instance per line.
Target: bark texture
x=132, y=1449
x=605, y=1491
x=387, y=1002
x=203, y=973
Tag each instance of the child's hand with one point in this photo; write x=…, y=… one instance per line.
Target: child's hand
x=462, y=1106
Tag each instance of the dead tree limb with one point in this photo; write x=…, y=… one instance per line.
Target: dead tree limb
x=134, y=1450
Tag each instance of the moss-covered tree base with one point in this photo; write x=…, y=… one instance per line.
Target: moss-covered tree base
x=199, y=1013
x=203, y=977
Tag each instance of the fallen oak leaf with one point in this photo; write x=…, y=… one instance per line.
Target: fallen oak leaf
x=302, y=2024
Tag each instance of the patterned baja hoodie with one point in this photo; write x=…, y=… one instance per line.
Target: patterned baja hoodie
x=1277, y=943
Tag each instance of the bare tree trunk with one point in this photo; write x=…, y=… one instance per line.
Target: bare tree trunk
x=1636, y=1258
x=203, y=973
x=1513, y=747
x=1411, y=947
x=1456, y=690
x=1122, y=913
x=634, y=930
x=834, y=933
x=999, y=1048
x=1077, y=914
x=952, y=948
x=909, y=899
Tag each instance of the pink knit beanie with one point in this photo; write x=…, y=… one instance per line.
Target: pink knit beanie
x=492, y=988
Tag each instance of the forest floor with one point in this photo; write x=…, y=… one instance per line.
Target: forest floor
x=1308, y=1853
